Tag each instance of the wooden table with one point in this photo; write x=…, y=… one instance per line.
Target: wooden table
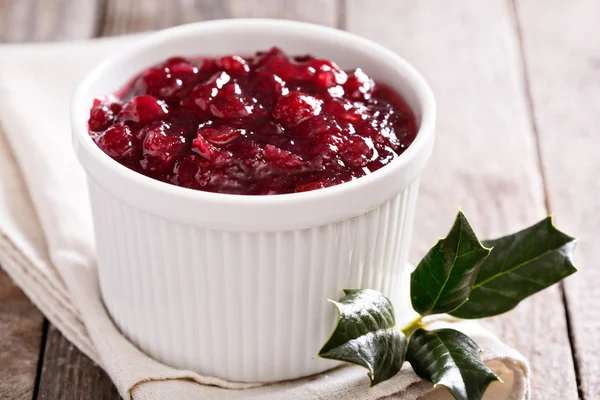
x=518, y=91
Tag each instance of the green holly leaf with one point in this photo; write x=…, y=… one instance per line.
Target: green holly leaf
x=443, y=279
x=366, y=335
x=449, y=358
x=520, y=265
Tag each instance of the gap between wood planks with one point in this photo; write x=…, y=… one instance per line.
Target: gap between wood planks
x=40, y=362
x=542, y=171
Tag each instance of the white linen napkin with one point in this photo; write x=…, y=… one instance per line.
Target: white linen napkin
x=47, y=248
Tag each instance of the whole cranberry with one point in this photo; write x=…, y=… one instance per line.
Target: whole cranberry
x=157, y=82
x=203, y=94
x=117, y=141
x=359, y=86
x=181, y=65
x=181, y=73
x=268, y=87
x=295, y=107
x=276, y=62
x=162, y=144
x=222, y=97
x=143, y=110
x=169, y=82
x=234, y=65
x=324, y=73
x=233, y=102
x=103, y=113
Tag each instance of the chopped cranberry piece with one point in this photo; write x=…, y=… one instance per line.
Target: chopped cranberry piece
x=313, y=127
x=187, y=170
x=262, y=124
x=345, y=110
x=202, y=146
x=103, y=113
x=162, y=144
x=295, y=107
x=143, y=110
x=116, y=141
x=357, y=151
x=282, y=158
x=221, y=135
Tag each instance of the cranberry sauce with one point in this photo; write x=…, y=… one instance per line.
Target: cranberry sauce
x=266, y=124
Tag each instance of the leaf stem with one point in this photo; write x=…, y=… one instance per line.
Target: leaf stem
x=413, y=326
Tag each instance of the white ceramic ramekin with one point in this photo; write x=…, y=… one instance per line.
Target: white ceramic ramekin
x=236, y=286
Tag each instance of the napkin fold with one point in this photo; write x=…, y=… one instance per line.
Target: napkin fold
x=47, y=248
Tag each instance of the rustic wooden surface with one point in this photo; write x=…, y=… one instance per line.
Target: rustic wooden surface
x=67, y=373
x=562, y=58
x=518, y=91
x=489, y=163
x=21, y=328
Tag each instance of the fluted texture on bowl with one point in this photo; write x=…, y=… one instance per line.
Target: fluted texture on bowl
x=243, y=306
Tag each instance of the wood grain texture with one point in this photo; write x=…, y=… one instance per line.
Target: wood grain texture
x=561, y=42
x=485, y=159
x=126, y=16
x=47, y=20
x=20, y=340
x=69, y=374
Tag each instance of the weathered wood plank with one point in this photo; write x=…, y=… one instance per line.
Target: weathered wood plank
x=69, y=374
x=126, y=16
x=47, y=20
x=485, y=158
x=561, y=42
x=20, y=340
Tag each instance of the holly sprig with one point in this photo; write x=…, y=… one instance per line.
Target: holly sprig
x=461, y=276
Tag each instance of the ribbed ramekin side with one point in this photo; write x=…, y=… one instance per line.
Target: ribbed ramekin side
x=243, y=306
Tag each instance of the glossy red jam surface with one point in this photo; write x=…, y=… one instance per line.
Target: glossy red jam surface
x=266, y=124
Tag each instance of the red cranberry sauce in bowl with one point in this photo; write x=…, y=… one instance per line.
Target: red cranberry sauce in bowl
x=264, y=124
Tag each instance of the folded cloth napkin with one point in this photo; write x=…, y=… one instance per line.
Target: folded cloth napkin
x=47, y=248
